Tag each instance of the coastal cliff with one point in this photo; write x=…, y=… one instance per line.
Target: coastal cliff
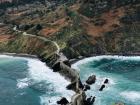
x=80, y=29
x=34, y=45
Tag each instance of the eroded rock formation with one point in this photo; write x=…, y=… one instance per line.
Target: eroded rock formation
x=62, y=66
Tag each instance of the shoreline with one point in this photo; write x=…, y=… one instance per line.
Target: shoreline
x=72, y=61
x=75, y=60
x=20, y=55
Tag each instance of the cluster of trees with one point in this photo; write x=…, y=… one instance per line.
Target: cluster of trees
x=6, y=4
x=113, y=2
x=91, y=8
x=26, y=27
x=131, y=17
x=14, y=3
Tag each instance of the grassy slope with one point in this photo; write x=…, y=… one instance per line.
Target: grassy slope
x=29, y=45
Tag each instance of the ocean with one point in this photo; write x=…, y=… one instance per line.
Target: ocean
x=26, y=81
x=123, y=74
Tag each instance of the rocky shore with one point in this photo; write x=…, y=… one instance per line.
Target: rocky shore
x=63, y=66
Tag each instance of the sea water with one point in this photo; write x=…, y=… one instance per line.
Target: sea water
x=26, y=81
x=123, y=74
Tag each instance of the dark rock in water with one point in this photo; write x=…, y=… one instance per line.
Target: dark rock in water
x=91, y=80
x=89, y=101
x=106, y=81
x=67, y=63
x=102, y=87
x=86, y=87
x=72, y=86
x=56, y=67
x=93, y=100
x=63, y=101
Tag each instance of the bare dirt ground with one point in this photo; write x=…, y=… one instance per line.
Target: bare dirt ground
x=111, y=22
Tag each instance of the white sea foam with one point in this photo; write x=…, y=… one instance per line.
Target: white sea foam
x=131, y=95
x=97, y=58
x=22, y=83
x=5, y=56
x=39, y=72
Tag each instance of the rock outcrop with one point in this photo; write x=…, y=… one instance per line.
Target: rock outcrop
x=102, y=87
x=91, y=80
x=71, y=74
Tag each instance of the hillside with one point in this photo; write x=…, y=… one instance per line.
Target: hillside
x=60, y=31
x=81, y=28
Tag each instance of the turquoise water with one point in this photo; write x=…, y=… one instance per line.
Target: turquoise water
x=25, y=81
x=123, y=74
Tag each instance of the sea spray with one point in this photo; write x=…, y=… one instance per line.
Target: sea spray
x=131, y=95
x=98, y=58
x=122, y=72
x=40, y=79
x=38, y=71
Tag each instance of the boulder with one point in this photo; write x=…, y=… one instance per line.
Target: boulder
x=102, y=87
x=56, y=67
x=72, y=86
x=106, y=81
x=91, y=80
x=89, y=101
x=86, y=87
x=63, y=101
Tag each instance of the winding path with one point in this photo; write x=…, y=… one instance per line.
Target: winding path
x=79, y=96
x=40, y=37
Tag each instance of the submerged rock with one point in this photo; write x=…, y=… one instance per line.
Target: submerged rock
x=91, y=80
x=102, y=87
x=106, y=81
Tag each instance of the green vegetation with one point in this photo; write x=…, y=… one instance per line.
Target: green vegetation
x=29, y=45
x=68, y=26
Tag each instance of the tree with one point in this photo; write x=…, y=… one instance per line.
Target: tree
x=38, y=27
